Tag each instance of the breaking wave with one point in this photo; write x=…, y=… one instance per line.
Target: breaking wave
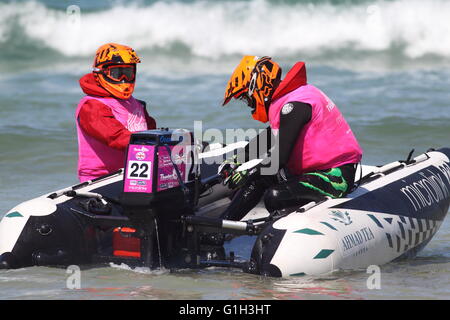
x=412, y=28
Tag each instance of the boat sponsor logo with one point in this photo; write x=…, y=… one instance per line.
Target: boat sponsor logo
x=165, y=177
x=165, y=139
x=141, y=149
x=167, y=172
x=430, y=189
x=342, y=217
x=163, y=186
x=169, y=185
x=174, y=137
x=178, y=158
x=132, y=188
x=165, y=160
x=140, y=155
x=357, y=243
x=138, y=183
x=172, y=184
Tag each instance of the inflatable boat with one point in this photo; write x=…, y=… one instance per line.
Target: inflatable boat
x=161, y=211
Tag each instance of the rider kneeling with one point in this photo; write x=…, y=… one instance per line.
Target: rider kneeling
x=314, y=146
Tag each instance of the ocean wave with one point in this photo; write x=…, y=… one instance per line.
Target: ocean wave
x=221, y=28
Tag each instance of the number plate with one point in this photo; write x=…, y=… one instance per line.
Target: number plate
x=139, y=170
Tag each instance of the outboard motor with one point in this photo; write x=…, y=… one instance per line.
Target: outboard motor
x=159, y=186
x=147, y=218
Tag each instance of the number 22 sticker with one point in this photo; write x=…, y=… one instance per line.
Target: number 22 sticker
x=139, y=170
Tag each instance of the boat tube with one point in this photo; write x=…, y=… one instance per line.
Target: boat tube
x=161, y=210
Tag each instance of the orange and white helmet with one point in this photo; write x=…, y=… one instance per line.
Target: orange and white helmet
x=115, y=69
x=254, y=80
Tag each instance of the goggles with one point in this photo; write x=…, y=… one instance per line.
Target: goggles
x=120, y=73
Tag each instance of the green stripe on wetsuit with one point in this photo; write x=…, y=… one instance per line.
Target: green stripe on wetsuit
x=333, y=178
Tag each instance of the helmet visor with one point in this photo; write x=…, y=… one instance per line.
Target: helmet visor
x=121, y=73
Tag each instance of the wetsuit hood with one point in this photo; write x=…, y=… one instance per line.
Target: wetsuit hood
x=90, y=86
x=296, y=77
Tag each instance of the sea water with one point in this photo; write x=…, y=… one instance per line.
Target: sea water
x=386, y=64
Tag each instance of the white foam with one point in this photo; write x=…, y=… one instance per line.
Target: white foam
x=144, y=270
x=214, y=29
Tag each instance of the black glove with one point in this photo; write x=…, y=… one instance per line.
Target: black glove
x=238, y=179
x=228, y=167
x=233, y=178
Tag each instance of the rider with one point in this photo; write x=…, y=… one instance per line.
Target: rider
x=314, y=149
x=108, y=114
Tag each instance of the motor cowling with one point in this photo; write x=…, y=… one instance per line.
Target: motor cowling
x=159, y=164
x=158, y=188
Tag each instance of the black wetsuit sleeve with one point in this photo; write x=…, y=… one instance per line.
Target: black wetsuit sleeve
x=291, y=124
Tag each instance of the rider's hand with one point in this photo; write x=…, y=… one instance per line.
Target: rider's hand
x=228, y=168
x=232, y=177
x=238, y=179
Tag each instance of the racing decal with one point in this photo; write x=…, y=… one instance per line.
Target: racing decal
x=309, y=232
x=408, y=233
x=377, y=222
x=388, y=220
x=328, y=225
x=14, y=214
x=324, y=253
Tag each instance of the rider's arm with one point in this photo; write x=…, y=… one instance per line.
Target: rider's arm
x=292, y=121
x=98, y=121
x=293, y=117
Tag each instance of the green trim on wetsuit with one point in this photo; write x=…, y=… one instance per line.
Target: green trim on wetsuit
x=340, y=186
